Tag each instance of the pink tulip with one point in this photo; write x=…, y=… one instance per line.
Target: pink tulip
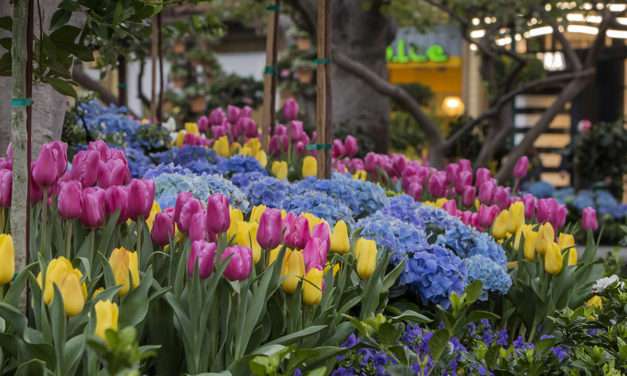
x=465, y=165
x=501, y=197
x=102, y=148
x=240, y=264
x=437, y=184
x=371, y=162
x=232, y=114
x=558, y=217
x=296, y=231
x=45, y=169
x=321, y=231
x=249, y=127
x=116, y=199
x=113, y=172
x=93, y=211
x=203, y=124
x=452, y=171
x=198, y=226
x=351, y=146
x=295, y=131
x=85, y=167
x=486, y=216
x=280, y=130
x=481, y=176
x=356, y=164
x=191, y=207
x=544, y=209
x=530, y=206
x=399, y=163
x=35, y=193
x=589, y=219
x=450, y=207
x=468, y=196
x=464, y=179
x=163, y=229
x=6, y=180
x=218, y=131
x=314, y=254
x=70, y=200
x=247, y=111
x=415, y=190
x=218, y=215
x=269, y=233
x=290, y=109
x=201, y=255
x=486, y=191
x=141, y=194
x=521, y=167
x=60, y=154
x=217, y=117
x=181, y=200
x=338, y=150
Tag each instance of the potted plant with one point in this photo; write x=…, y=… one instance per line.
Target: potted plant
x=196, y=96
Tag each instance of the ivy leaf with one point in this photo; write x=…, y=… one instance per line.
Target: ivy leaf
x=60, y=18
x=65, y=34
x=6, y=23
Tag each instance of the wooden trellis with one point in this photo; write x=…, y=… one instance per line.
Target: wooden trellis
x=323, y=88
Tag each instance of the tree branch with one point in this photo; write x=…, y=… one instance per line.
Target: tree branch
x=600, y=39
x=306, y=10
x=90, y=84
x=398, y=94
x=571, y=56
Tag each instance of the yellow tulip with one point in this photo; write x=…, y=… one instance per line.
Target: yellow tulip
x=245, y=150
x=335, y=267
x=517, y=216
x=262, y=158
x=279, y=170
x=122, y=263
x=439, y=203
x=595, y=302
x=180, y=137
x=96, y=292
x=274, y=254
x=255, y=214
x=246, y=235
x=235, y=148
x=312, y=286
x=566, y=241
x=55, y=272
x=221, y=146
x=106, y=317
x=236, y=215
x=531, y=237
x=7, y=259
x=360, y=175
x=501, y=225
x=310, y=166
x=366, y=253
x=546, y=236
x=154, y=210
x=192, y=128
x=553, y=259
x=340, y=242
x=72, y=293
x=254, y=145
x=572, y=257
x=293, y=270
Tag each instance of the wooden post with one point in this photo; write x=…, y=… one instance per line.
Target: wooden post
x=153, y=74
x=21, y=115
x=270, y=74
x=160, y=55
x=323, y=90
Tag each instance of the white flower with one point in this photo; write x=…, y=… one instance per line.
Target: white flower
x=170, y=125
x=603, y=283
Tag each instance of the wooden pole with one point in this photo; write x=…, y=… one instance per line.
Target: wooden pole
x=323, y=90
x=160, y=55
x=270, y=74
x=21, y=115
x=153, y=76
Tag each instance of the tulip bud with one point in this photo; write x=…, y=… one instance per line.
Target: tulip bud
x=530, y=206
x=107, y=314
x=296, y=231
x=501, y=197
x=531, y=238
x=485, y=218
x=340, y=242
x=7, y=259
x=232, y=114
x=218, y=214
x=322, y=231
x=141, y=195
x=517, y=216
x=202, y=254
x=465, y=165
x=270, y=227
x=310, y=166
x=350, y=146
x=486, y=191
x=464, y=179
x=93, y=211
x=45, y=169
x=70, y=199
x=451, y=207
x=72, y=293
x=338, y=150
x=221, y=146
x=482, y=175
x=546, y=236
x=589, y=219
x=203, y=124
x=558, y=217
x=6, y=185
x=262, y=158
x=279, y=170
x=124, y=262
x=257, y=212
x=501, y=225
x=553, y=259
x=314, y=254
x=198, y=226
x=437, y=184
x=544, y=209
x=236, y=216
x=290, y=109
x=240, y=264
x=366, y=253
x=452, y=171
x=312, y=286
x=181, y=200
x=163, y=229
x=191, y=207
x=116, y=199
x=217, y=116
x=292, y=270
x=521, y=167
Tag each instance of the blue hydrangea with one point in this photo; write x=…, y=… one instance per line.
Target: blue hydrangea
x=493, y=276
x=169, y=168
x=434, y=273
x=239, y=164
x=363, y=198
x=405, y=208
x=138, y=162
x=319, y=204
x=540, y=189
x=467, y=242
x=237, y=198
x=392, y=234
x=243, y=179
x=268, y=191
x=186, y=155
x=201, y=167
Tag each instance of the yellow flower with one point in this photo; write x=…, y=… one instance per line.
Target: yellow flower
x=246, y=235
x=439, y=203
x=546, y=236
x=566, y=241
x=553, y=259
x=262, y=158
x=96, y=292
x=253, y=144
x=106, y=317
x=501, y=224
x=154, y=210
x=274, y=254
x=279, y=170
x=572, y=257
x=312, y=286
x=366, y=253
x=55, y=272
x=336, y=268
x=595, y=302
x=360, y=175
x=236, y=215
x=221, y=146
x=310, y=166
x=235, y=148
x=312, y=220
x=245, y=150
x=124, y=262
x=192, y=128
x=531, y=237
x=180, y=137
x=7, y=259
x=340, y=242
x=62, y=274
x=517, y=216
x=255, y=214
x=293, y=270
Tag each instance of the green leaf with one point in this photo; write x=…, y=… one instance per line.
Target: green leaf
x=289, y=338
x=65, y=35
x=60, y=18
x=73, y=352
x=392, y=276
x=13, y=316
x=438, y=343
x=32, y=367
x=57, y=319
x=480, y=315
x=12, y=296
x=473, y=292
x=62, y=86
x=134, y=306
x=412, y=316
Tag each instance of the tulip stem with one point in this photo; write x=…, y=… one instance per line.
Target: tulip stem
x=44, y=224
x=68, y=239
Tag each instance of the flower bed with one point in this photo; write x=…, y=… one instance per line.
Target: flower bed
x=250, y=264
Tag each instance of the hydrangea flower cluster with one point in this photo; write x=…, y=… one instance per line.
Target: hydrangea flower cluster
x=467, y=242
x=393, y=234
x=169, y=168
x=362, y=197
x=268, y=191
x=320, y=205
x=187, y=154
x=243, y=179
x=492, y=275
x=239, y=164
x=138, y=162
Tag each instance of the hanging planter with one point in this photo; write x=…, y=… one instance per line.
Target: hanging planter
x=304, y=75
x=303, y=43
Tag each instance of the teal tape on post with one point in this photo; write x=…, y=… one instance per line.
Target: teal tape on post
x=269, y=69
x=21, y=102
x=322, y=61
x=311, y=147
x=272, y=7
x=122, y=85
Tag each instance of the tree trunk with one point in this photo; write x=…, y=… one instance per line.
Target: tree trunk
x=357, y=107
x=496, y=136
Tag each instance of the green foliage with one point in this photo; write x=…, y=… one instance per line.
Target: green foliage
x=121, y=354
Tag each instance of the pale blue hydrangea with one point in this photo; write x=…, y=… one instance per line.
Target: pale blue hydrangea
x=467, y=242
x=169, y=168
x=268, y=191
x=392, y=234
x=320, y=205
x=239, y=164
x=493, y=276
x=243, y=179
x=405, y=208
